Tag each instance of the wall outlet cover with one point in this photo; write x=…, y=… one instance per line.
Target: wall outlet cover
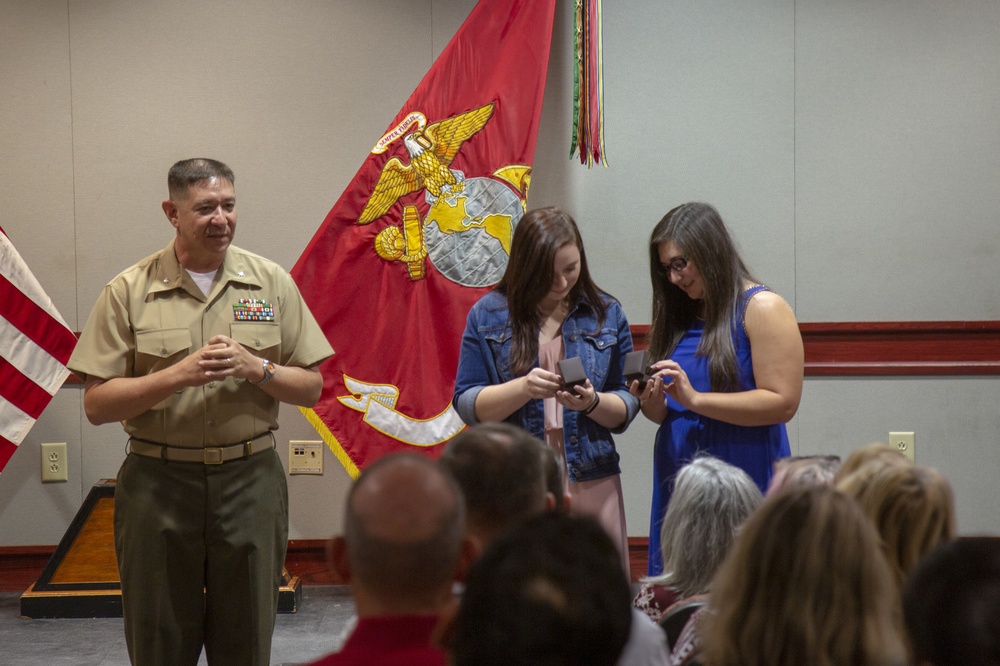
x=54, y=463
x=305, y=456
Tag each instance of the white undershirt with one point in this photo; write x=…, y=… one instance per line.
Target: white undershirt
x=203, y=280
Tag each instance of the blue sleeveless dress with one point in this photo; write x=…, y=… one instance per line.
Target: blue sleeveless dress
x=683, y=434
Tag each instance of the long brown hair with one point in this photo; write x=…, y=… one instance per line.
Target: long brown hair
x=805, y=583
x=528, y=278
x=699, y=232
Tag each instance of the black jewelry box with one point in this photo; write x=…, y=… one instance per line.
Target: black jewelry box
x=572, y=373
x=637, y=367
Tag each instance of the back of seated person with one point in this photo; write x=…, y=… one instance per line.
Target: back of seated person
x=804, y=471
x=911, y=506
x=548, y=592
x=501, y=471
x=951, y=603
x=861, y=457
x=403, y=547
x=711, y=499
x=805, y=583
x=508, y=476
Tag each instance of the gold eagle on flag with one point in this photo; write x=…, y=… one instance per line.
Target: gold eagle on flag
x=431, y=151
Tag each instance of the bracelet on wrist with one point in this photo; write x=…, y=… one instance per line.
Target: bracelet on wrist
x=593, y=405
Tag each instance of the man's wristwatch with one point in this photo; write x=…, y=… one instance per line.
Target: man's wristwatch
x=269, y=369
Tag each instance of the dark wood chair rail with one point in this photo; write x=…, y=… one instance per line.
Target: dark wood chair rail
x=886, y=348
x=883, y=348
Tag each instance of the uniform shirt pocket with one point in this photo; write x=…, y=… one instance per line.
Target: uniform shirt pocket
x=160, y=348
x=260, y=337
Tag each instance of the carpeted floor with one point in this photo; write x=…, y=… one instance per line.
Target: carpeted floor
x=299, y=637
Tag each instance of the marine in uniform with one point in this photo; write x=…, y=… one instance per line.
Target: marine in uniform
x=192, y=349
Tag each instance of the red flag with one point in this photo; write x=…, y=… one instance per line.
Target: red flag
x=421, y=232
x=35, y=345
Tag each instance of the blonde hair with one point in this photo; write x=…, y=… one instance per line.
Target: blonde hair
x=874, y=452
x=805, y=583
x=912, y=507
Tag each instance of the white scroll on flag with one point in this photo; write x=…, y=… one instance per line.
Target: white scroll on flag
x=35, y=346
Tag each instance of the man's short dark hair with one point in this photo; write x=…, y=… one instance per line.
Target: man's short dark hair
x=548, y=592
x=500, y=470
x=951, y=604
x=186, y=173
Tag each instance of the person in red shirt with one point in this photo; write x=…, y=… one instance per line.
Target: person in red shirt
x=403, y=547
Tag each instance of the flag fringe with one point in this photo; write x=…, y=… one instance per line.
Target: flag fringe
x=331, y=441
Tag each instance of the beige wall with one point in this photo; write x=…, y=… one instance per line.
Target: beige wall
x=852, y=146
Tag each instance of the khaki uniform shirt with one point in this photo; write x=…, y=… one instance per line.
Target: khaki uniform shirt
x=153, y=314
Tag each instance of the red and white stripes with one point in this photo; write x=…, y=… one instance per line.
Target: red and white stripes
x=35, y=345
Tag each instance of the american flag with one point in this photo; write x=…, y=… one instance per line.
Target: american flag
x=35, y=345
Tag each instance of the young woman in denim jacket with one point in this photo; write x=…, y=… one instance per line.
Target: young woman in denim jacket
x=546, y=308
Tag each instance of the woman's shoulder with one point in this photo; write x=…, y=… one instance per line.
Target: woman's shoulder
x=763, y=298
x=611, y=304
x=764, y=309
x=492, y=300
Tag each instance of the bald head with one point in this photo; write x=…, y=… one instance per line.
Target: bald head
x=403, y=531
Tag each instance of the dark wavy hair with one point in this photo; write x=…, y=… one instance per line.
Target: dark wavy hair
x=528, y=278
x=699, y=232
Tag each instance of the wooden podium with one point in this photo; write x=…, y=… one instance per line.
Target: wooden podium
x=81, y=578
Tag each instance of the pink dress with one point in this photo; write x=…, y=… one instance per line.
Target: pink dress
x=601, y=498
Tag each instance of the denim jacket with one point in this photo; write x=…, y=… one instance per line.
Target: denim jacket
x=484, y=361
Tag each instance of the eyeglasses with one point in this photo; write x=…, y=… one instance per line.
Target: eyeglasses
x=676, y=265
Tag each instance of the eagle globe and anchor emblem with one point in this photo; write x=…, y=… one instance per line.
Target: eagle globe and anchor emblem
x=467, y=231
x=466, y=235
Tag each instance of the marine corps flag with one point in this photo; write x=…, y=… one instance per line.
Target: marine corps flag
x=421, y=232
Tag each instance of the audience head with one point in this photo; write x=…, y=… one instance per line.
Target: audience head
x=805, y=583
x=404, y=536
x=951, y=603
x=500, y=469
x=549, y=592
x=711, y=499
x=912, y=508
x=804, y=471
x=876, y=452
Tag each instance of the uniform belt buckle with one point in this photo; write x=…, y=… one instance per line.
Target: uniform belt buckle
x=213, y=456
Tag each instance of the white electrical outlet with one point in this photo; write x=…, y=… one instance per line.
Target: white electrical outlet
x=305, y=457
x=903, y=442
x=54, y=464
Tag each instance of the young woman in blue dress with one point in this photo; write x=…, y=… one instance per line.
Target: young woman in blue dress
x=728, y=358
